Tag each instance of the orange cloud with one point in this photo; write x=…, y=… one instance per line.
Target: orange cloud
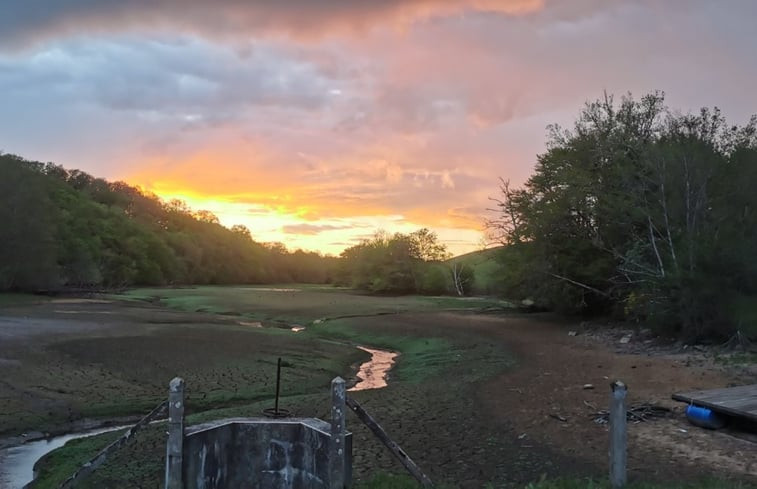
x=23, y=22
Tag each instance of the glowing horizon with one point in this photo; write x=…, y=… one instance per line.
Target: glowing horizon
x=326, y=236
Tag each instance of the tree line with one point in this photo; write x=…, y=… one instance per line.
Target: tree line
x=67, y=229
x=402, y=264
x=642, y=213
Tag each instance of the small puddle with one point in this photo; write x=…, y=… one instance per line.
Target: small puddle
x=17, y=463
x=270, y=289
x=76, y=300
x=61, y=311
x=372, y=374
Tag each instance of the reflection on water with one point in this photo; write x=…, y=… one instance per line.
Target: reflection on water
x=271, y=289
x=17, y=463
x=372, y=373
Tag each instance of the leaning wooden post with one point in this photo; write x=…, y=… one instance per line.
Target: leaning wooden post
x=398, y=452
x=618, y=434
x=175, y=446
x=337, y=453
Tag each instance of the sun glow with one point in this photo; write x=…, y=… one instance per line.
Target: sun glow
x=297, y=226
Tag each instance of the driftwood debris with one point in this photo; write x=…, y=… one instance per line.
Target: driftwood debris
x=393, y=447
x=637, y=413
x=739, y=341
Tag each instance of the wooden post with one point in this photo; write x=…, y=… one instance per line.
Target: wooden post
x=337, y=453
x=393, y=447
x=618, y=434
x=175, y=445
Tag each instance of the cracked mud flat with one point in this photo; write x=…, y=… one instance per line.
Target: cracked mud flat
x=462, y=428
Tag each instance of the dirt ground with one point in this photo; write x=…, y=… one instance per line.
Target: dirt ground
x=64, y=361
x=472, y=424
x=548, y=386
x=508, y=430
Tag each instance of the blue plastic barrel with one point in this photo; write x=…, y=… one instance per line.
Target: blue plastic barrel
x=704, y=417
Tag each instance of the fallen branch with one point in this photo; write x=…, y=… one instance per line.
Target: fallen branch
x=638, y=413
x=587, y=287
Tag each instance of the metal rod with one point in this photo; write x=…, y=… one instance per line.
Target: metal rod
x=278, y=386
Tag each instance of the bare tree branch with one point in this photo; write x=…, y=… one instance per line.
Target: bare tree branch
x=587, y=287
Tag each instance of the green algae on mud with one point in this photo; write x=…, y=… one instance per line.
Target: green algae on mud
x=300, y=304
x=124, y=369
x=419, y=382
x=562, y=483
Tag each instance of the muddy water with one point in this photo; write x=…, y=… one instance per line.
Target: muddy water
x=17, y=463
x=372, y=374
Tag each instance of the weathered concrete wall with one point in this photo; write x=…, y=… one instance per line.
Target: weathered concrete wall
x=260, y=453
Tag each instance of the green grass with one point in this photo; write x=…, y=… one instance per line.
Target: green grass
x=592, y=484
x=12, y=299
x=298, y=304
x=389, y=481
x=419, y=359
x=485, y=268
x=60, y=464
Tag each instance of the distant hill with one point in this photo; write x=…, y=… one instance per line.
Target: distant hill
x=63, y=229
x=485, y=269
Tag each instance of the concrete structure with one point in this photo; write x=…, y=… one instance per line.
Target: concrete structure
x=262, y=453
x=259, y=453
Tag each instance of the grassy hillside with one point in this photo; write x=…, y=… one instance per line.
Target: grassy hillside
x=485, y=269
x=66, y=230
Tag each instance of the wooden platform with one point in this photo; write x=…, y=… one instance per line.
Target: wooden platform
x=738, y=401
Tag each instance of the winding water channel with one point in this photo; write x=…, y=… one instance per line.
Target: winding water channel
x=373, y=373
x=17, y=463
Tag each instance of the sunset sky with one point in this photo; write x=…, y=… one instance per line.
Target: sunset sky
x=316, y=122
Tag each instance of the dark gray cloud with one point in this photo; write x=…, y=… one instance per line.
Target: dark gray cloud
x=100, y=93
x=27, y=21
x=150, y=75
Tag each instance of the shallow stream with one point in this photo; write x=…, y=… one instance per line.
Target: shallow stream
x=17, y=463
x=372, y=374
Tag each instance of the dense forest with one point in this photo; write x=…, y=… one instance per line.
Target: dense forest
x=642, y=213
x=66, y=229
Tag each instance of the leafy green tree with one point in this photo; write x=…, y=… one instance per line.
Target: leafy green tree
x=27, y=246
x=64, y=228
x=632, y=213
x=395, y=264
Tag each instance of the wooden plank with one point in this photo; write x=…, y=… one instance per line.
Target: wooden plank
x=740, y=401
x=98, y=459
x=396, y=450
